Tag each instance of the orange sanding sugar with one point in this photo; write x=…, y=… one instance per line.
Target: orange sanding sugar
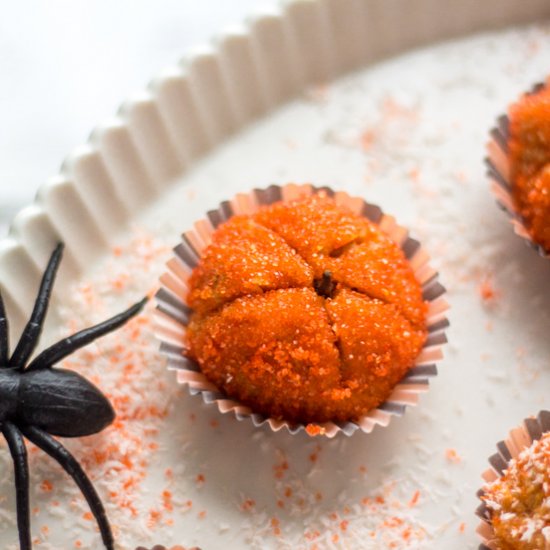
x=529, y=147
x=452, y=456
x=487, y=291
x=314, y=429
x=305, y=312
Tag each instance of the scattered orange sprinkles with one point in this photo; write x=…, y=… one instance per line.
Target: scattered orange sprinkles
x=368, y=138
x=124, y=366
x=275, y=524
x=167, y=500
x=452, y=456
x=315, y=454
x=314, y=429
x=154, y=518
x=344, y=525
x=46, y=486
x=248, y=504
x=392, y=520
x=414, y=499
x=200, y=479
x=280, y=468
x=487, y=291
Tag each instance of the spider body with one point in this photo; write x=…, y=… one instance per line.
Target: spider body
x=38, y=401
x=59, y=401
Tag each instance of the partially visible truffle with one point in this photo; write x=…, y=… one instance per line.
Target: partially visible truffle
x=529, y=155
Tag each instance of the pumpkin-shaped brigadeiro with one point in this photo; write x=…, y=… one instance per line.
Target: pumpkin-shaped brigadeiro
x=305, y=312
x=529, y=157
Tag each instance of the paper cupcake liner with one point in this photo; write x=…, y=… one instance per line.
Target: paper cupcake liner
x=499, y=172
x=173, y=312
x=519, y=439
x=160, y=547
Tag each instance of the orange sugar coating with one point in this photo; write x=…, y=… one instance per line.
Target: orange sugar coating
x=534, y=201
x=529, y=147
x=243, y=259
x=378, y=269
x=289, y=348
x=315, y=227
x=530, y=133
x=281, y=357
x=377, y=346
x=357, y=253
x=519, y=501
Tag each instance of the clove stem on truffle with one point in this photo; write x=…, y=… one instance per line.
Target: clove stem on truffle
x=325, y=286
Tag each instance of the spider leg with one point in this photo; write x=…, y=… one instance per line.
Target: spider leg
x=19, y=455
x=69, y=345
x=32, y=331
x=4, y=335
x=67, y=461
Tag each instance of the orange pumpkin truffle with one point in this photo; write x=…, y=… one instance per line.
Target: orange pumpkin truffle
x=529, y=155
x=305, y=312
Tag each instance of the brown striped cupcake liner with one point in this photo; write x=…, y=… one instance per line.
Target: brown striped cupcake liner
x=519, y=438
x=499, y=173
x=172, y=314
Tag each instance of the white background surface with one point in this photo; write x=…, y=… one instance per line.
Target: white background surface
x=68, y=64
x=75, y=62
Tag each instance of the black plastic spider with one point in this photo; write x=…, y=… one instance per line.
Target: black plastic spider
x=38, y=401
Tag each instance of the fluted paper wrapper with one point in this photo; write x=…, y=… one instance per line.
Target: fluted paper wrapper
x=519, y=439
x=499, y=172
x=173, y=312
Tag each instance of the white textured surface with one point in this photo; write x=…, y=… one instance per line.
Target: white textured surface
x=408, y=135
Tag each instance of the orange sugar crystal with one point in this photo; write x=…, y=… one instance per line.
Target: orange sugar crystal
x=305, y=311
x=529, y=146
